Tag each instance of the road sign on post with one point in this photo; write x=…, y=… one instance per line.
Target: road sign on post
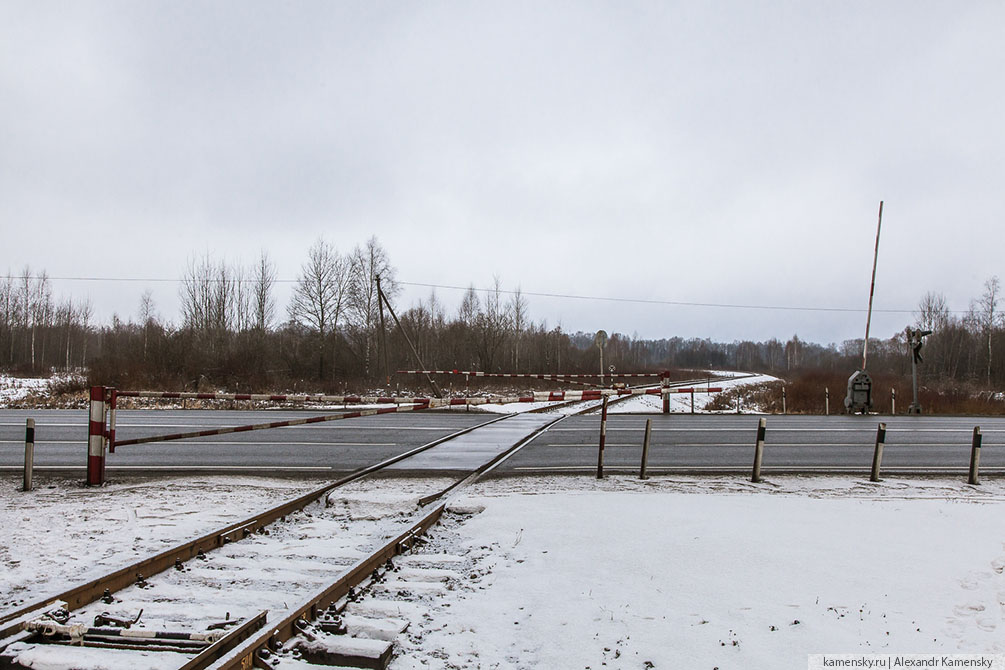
x=600, y=339
x=915, y=338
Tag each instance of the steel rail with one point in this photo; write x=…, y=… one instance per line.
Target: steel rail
x=91, y=591
x=248, y=654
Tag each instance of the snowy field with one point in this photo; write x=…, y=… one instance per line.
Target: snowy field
x=15, y=389
x=652, y=404
x=569, y=572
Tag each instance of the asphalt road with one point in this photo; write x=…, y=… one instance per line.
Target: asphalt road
x=680, y=443
x=338, y=446
x=725, y=443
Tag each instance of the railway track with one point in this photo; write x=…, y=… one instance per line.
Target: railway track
x=235, y=597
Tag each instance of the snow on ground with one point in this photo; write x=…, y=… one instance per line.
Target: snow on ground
x=512, y=408
x=682, y=573
x=571, y=572
x=681, y=402
x=62, y=534
x=15, y=389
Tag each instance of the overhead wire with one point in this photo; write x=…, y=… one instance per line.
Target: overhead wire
x=536, y=294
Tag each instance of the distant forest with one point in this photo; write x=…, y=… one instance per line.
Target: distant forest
x=232, y=335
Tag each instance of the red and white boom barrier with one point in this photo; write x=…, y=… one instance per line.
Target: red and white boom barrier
x=537, y=396
x=104, y=401
x=552, y=377
x=273, y=424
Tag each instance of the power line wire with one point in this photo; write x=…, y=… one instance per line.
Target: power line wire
x=675, y=303
x=536, y=294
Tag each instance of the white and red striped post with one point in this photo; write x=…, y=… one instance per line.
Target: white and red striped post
x=666, y=395
x=96, y=438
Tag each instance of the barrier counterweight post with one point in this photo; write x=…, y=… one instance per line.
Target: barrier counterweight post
x=603, y=439
x=96, y=438
x=29, y=452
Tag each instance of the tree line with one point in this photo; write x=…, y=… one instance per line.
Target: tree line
x=233, y=334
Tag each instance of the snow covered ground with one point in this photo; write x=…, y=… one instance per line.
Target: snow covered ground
x=571, y=572
x=14, y=389
x=681, y=402
x=63, y=534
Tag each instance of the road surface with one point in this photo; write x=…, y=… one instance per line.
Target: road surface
x=680, y=443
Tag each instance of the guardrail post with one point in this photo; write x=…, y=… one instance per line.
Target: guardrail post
x=29, y=452
x=603, y=439
x=645, y=450
x=96, y=438
x=762, y=425
x=827, y=401
x=877, y=456
x=975, y=457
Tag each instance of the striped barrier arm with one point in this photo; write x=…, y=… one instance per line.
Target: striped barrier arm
x=555, y=377
x=537, y=396
x=402, y=405
x=273, y=424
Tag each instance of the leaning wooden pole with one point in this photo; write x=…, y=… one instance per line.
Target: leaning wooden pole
x=432, y=384
x=383, y=335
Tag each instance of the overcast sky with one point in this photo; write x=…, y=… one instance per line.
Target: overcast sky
x=705, y=152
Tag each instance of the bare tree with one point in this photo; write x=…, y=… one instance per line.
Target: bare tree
x=8, y=316
x=933, y=312
x=242, y=293
x=264, y=301
x=368, y=263
x=987, y=315
x=492, y=326
x=470, y=307
x=320, y=294
x=518, y=318
x=148, y=317
x=85, y=311
x=208, y=300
